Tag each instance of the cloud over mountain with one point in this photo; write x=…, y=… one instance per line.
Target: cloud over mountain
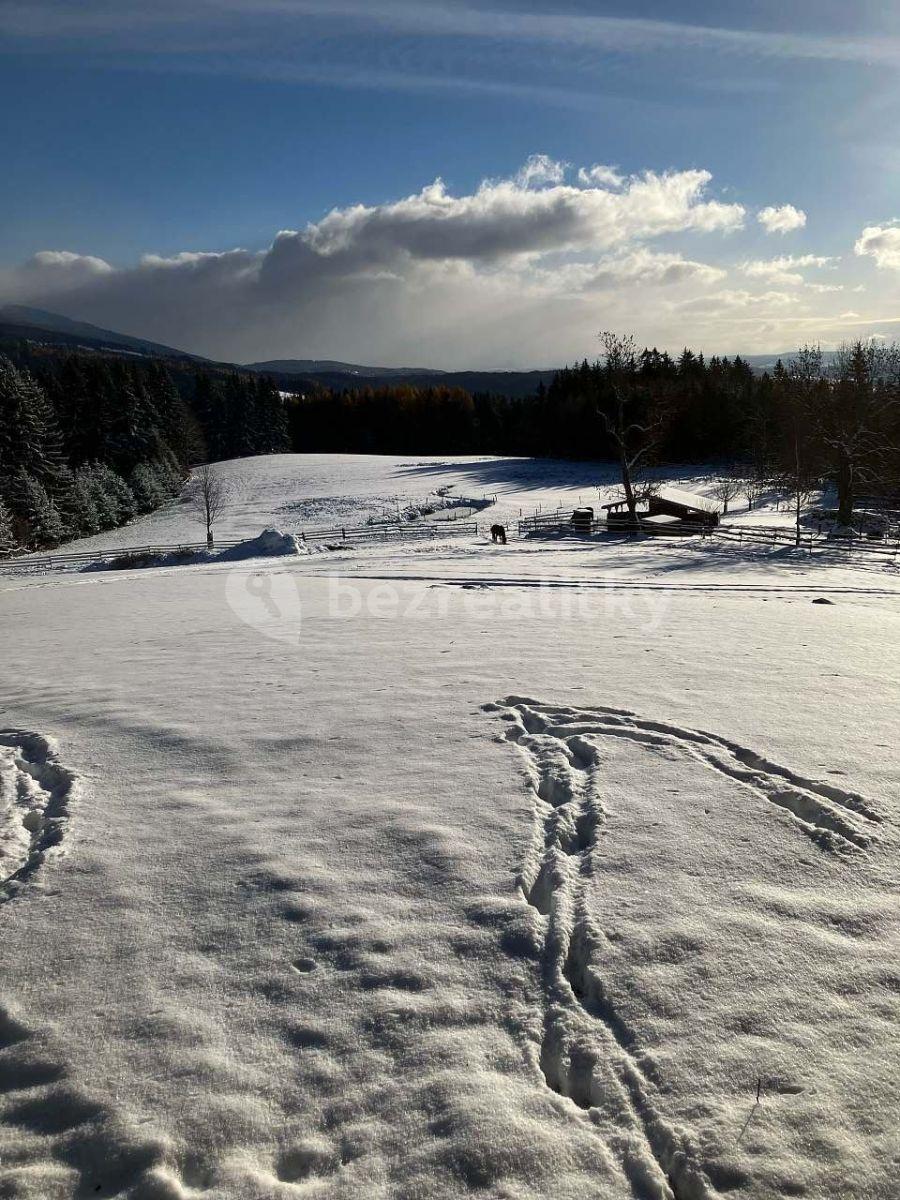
x=518, y=271
x=432, y=255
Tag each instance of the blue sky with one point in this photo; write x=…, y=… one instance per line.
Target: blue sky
x=201, y=128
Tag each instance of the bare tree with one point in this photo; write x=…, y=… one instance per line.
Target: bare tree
x=207, y=494
x=631, y=425
x=856, y=422
x=802, y=389
x=728, y=487
x=754, y=481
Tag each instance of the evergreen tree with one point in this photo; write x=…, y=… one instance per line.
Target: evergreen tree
x=7, y=535
x=76, y=504
x=178, y=426
x=43, y=525
x=103, y=504
x=270, y=420
x=169, y=475
x=146, y=488
x=118, y=491
x=29, y=435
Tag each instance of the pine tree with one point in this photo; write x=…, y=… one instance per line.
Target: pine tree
x=43, y=524
x=102, y=503
x=29, y=434
x=177, y=425
x=169, y=474
x=7, y=536
x=145, y=488
x=119, y=492
x=270, y=419
x=76, y=504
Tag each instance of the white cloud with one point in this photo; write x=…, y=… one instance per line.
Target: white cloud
x=786, y=268
x=738, y=298
x=782, y=219
x=882, y=243
x=600, y=176
x=508, y=218
x=540, y=169
x=638, y=268
x=514, y=272
x=126, y=21
x=60, y=270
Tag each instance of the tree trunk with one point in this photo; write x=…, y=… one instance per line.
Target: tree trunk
x=798, y=484
x=845, y=490
x=627, y=485
x=630, y=498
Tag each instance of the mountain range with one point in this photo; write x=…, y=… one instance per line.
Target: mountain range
x=20, y=323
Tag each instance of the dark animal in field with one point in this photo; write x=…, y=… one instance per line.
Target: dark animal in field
x=498, y=534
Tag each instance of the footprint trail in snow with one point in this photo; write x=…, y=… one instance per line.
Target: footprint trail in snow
x=36, y=794
x=588, y=1052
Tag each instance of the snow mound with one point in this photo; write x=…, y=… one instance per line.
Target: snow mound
x=271, y=543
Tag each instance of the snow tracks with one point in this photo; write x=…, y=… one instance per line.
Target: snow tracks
x=588, y=1053
x=36, y=793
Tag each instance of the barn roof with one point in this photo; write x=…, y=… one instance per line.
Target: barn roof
x=688, y=499
x=674, y=496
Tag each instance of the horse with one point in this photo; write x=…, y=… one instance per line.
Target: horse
x=498, y=534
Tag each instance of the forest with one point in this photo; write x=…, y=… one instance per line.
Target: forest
x=88, y=441
x=806, y=422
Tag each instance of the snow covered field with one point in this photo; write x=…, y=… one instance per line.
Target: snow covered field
x=309, y=491
x=438, y=871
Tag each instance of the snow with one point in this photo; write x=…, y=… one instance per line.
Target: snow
x=271, y=543
x=689, y=499
x=662, y=519
x=429, y=871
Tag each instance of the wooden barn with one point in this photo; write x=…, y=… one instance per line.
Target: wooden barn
x=668, y=509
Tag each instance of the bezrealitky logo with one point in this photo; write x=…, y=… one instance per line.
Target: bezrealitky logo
x=267, y=601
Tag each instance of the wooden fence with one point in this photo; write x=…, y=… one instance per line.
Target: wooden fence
x=560, y=524
x=385, y=533
x=348, y=534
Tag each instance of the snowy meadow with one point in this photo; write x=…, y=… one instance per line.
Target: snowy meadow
x=439, y=869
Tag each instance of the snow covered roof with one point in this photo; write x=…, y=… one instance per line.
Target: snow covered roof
x=688, y=499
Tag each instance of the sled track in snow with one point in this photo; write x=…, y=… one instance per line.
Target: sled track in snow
x=36, y=794
x=588, y=1053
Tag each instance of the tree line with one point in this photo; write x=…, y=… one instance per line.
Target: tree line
x=88, y=442
x=806, y=422
x=706, y=401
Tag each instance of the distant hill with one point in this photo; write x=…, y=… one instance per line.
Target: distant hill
x=20, y=323
x=36, y=324
x=515, y=384
x=327, y=366
x=766, y=362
